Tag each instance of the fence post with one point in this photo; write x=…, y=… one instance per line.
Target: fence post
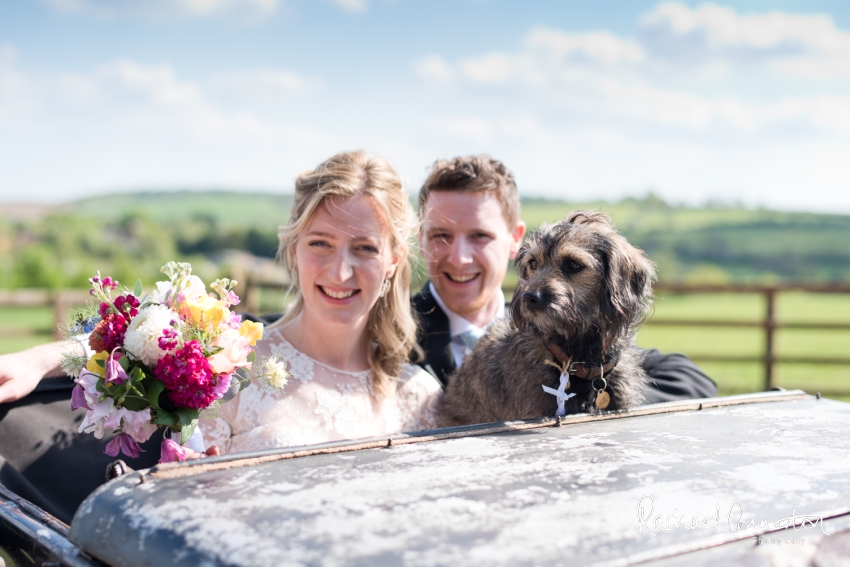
x=59, y=308
x=252, y=296
x=769, y=331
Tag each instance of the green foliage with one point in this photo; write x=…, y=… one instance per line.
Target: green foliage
x=722, y=244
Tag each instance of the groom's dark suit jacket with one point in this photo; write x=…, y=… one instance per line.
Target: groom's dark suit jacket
x=671, y=376
x=47, y=461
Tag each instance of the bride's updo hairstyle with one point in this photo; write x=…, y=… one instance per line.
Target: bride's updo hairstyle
x=391, y=325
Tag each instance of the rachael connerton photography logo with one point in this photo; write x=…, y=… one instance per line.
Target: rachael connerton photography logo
x=734, y=522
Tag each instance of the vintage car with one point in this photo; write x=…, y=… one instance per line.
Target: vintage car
x=757, y=479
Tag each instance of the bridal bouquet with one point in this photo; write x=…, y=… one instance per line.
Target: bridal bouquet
x=161, y=358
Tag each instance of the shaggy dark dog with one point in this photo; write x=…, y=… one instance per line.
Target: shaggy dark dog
x=583, y=291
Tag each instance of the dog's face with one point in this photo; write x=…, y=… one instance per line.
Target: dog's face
x=579, y=279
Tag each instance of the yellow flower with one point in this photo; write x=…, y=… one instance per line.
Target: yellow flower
x=95, y=368
x=251, y=331
x=205, y=313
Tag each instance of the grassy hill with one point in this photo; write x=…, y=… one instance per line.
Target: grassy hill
x=132, y=230
x=228, y=209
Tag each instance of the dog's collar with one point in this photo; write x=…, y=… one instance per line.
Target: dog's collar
x=582, y=369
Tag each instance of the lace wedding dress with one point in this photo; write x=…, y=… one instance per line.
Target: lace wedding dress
x=319, y=404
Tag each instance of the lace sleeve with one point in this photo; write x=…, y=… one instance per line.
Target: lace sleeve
x=418, y=393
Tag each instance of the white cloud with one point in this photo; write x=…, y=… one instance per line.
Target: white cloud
x=797, y=45
x=264, y=83
x=434, y=68
x=244, y=10
x=595, y=46
x=600, y=76
x=352, y=5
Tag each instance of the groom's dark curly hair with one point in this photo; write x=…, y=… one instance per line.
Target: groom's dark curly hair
x=474, y=173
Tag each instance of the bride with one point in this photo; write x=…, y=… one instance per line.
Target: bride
x=350, y=332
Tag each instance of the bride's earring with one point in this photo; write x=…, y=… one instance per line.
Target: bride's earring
x=384, y=288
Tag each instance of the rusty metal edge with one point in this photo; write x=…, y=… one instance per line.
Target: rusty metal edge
x=189, y=468
x=43, y=529
x=680, y=549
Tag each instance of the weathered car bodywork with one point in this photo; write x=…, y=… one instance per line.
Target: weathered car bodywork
x=676, y=483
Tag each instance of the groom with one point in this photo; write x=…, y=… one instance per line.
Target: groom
x=469, y=209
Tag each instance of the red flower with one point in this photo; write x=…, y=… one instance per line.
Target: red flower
x=188, y=378
x=108, y=334
x=128, y=305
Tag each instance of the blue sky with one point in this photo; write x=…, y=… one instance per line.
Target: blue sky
x=734, y=101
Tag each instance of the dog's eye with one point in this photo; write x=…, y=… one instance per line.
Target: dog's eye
x=572, y=266
x=532, y=265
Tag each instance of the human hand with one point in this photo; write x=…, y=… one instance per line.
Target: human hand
x=20, y=372
x=192, y=454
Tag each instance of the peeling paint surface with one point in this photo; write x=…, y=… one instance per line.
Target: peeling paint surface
x=566, y=495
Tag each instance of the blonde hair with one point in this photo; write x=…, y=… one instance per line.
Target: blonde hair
x=391, y=324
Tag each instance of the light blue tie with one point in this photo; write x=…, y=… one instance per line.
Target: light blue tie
x=467, y=339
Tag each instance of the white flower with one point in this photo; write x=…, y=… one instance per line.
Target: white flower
x=194, y=289
x=159, y=294
x=272, y=371
x=73, y=363
x=142, y=337
x=95, y=417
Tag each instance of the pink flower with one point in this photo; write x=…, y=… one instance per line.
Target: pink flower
x=222, y=385
x=170, y=451
x=234, y=353
x=168, y=340
x=188, y=377
x=137, y=424
x=125, y=444
x=94, y=420
x=88, y=382
x=78, y=399
x=235, y=320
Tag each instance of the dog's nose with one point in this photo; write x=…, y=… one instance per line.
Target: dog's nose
x=532, y=298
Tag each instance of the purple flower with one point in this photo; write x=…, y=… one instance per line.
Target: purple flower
x=114, y=373
x=78, y=399
x=125, y=444
x=232, y=298
x=110, y=283
x=235, y=320
x=170, y=451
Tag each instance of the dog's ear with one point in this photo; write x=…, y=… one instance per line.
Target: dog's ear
x=626, y=295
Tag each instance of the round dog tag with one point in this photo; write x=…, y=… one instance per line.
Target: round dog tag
x=603, y=399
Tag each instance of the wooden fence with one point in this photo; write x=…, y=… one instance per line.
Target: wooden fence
x=59, y=301
x=769, y=323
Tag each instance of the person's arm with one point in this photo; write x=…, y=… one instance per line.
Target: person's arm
x=674, y=377
x=20, y=372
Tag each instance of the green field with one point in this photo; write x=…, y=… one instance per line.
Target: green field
x=734, y=378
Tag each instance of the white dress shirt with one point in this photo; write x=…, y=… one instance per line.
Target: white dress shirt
x=458, y=324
